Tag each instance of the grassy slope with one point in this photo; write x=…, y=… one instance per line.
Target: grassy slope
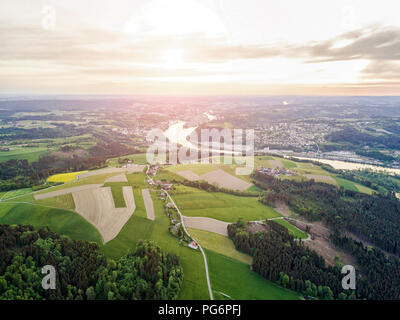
x=235, y=279
x=58, y=220
x=138, y=228
x=30, y=154
x=15, y=193
x=296, y=232
x=65, y=201
x=222, y=206
x=118, y=196
x=219, y=244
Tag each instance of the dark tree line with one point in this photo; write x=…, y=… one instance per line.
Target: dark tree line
x=359, y=139
x=381, y=273
x=82, y=271
x=277, y=256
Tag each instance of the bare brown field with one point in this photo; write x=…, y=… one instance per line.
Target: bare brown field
x=148, y=203
x=66, y=191
x=118, y=178
x=321, y=178
x=132, y=169
x=189, y=175
x=207, y=224
x=276, y=164
x=97, y=206
x=226, y=180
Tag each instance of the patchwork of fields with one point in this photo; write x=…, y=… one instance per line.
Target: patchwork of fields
x=101, y=196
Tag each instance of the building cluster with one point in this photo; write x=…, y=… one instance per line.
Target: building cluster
x=292, y=134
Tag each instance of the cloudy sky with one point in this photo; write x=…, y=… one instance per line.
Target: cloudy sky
x=200, y=47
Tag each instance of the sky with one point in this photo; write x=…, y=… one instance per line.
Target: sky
x=200, y=47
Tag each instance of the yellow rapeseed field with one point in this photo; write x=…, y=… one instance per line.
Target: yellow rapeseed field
x=64, y=177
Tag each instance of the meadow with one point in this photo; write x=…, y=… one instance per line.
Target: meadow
x=29, y=153
x=221, y=206
x=294, y=231
x=235, y=279
x=58, y=220
x=219, y=244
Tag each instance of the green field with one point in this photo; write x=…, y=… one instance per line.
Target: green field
x=235, y=279
x=219, y=244
x=28, y=153
x=118, y=196
x=294, y=231
x=15, y=193
x=349, y=185
x=138, y=158
x=221, y=206
x=58, y=220
x=65, y=201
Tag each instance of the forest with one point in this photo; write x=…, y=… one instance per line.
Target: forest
x=82, y=271
x=16, y=174
x=342, y=210
x=359, y=139
x=278, y=257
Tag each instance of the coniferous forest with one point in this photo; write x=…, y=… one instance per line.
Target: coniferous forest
x=82, y=271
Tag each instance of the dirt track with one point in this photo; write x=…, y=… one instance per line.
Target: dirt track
x=118, y=178
x=207, y=224
x=189, y=175
x=66, y=191
x=219, y=177
x=97, y=206
x=226, y=180
x=148, y=203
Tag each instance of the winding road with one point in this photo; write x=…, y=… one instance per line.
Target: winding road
x=184, y=228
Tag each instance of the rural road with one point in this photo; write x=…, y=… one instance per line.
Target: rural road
x=201, y=249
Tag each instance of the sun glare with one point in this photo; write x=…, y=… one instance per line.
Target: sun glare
x=173, y=58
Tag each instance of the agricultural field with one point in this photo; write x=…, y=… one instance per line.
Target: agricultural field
x=307, y=170
x=235, y=279
x=219, y=244
x=29, y=153
x=58, y=220
x=65, y=177
x=118, y=196
x=221, y=206
x=65, y=201
x=15, y=193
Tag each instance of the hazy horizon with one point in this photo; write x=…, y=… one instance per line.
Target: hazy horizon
x=201, y=48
